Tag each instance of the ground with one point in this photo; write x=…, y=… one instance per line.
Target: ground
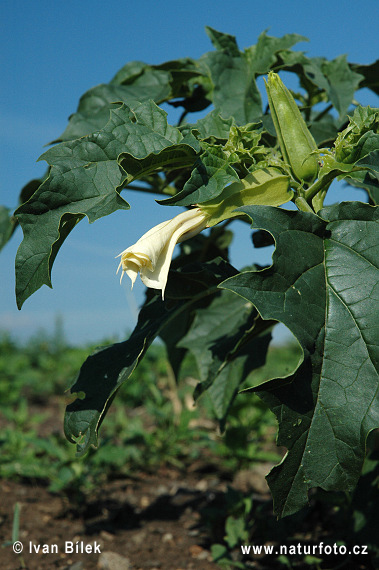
x=152, y=521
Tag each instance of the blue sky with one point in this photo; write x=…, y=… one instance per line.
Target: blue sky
x=52, y=53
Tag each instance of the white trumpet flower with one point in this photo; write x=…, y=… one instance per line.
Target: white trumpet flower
x=151, y=255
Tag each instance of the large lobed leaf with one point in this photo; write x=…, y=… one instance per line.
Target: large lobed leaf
x=233, y=73
x=134, y=82
x=85, y=179
x=94, y=106
x=228, y=343
x=104, y=372
x=324, y=286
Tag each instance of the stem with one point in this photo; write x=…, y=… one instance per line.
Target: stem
x=142, y=189
x=319, y=184
x=182, y=117
x=323, y=113
x=318, y=200
x=303, y=205
x=150, y=190
x=296, y=185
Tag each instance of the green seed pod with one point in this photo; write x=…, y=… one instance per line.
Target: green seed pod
x=295, y=140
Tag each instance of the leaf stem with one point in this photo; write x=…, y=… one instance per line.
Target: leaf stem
x=323, y=113
x=318, y=200
x=150, y=190
x=325, y=181
x=320, y=184
x=141, y=189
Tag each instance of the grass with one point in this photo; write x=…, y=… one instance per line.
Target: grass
x=152, y=421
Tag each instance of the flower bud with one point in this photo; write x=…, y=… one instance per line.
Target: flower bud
x=295, y=140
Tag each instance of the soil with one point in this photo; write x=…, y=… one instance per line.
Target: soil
x=150, y=521
x=147, y=521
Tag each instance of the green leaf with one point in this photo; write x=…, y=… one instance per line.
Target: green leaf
x=357, y=146
x=95, y=105
x=32, y=186
x=233, y=73
x=211, y=174
x=265, y=53
x=335, y=81
x=223, y=42
x=368, y=179
x=235, y=93
x=215, y=328
x=227, y=346
x=236, y=531
x=371, y=161
x=8, y=221
x=222, y=557
x=364, y=179
x=323, y=285
x=324, y=131
x=213, y=125
x=187, y=283
x=104, y=372
x=308, y=69
x=85, y=180
x=335, y=78
x=134, y=82
x=223, y=385
x=370, y=73
x=186, y=79
x=7, y=225
x=130, y=72
x=342, y=83
x=360, y=137
x=355, y=155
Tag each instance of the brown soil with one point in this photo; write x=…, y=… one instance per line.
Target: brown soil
x=152, y=521
x=145, y=522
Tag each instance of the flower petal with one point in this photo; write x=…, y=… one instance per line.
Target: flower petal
x=151, y=254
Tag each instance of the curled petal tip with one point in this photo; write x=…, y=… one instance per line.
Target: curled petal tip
x=151, y=255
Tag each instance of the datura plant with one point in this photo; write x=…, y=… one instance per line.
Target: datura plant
x=271, y=161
